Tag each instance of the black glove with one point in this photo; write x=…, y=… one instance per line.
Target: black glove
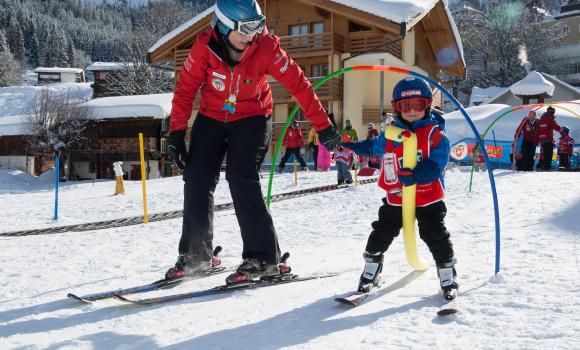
x=176, y=151
x=329, y=137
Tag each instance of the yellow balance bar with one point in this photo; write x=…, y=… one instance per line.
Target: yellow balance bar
x=409, y=192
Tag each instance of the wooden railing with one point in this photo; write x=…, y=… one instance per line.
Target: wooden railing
x=331, y=90
x=372, y=41
x=300, y=45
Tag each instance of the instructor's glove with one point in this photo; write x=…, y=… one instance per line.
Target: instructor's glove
x=407, y=177
x=176, y=151
x=329, y=137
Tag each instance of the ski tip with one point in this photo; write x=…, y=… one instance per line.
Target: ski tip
x=77, y=298
x=217, y=250
x=284, y=257
x=447, y=312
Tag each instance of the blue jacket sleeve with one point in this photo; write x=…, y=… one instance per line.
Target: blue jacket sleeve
x=368, y=148
x=428, y=170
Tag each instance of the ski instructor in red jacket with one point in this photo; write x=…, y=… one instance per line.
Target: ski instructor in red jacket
x=229, y=63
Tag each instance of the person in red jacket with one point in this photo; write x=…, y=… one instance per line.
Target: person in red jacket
x=230, y=63
x=528, y=129
x=546, y=127
x=294, y=142
x=565, y=148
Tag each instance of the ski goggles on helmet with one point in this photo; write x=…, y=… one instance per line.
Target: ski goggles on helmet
x=417, y=104
x=248, y=27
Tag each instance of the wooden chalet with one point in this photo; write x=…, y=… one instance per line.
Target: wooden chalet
x=59, y=75
x=324, y=36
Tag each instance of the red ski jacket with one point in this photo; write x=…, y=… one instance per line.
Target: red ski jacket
x=546, y=127
x=528, y=129
x=293, y=138
x=566, y=145
x=246, y=81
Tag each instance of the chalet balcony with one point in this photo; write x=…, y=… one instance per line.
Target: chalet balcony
x=319, y=44
x=331, y=90
x=369, y=41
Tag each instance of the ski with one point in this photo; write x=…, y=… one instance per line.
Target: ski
x=353, y=299
x=164, y=283
x=226, y=288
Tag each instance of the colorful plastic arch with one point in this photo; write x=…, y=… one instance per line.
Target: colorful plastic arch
x=451, y=98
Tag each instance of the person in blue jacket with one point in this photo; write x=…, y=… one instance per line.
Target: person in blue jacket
x=412, y=100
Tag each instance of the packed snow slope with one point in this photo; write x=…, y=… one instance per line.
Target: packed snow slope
x=534, y=303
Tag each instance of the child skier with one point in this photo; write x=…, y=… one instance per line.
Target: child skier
x=565, y=148
x=344, y=159
x=412, y=99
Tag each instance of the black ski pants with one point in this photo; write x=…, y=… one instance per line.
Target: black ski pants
x=547, y=153
x=431, y=230
x=245, y=142
x=528, y=152
x=288, y=153
x=564, y=162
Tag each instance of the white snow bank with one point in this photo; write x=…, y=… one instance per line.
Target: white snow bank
x=533, y=84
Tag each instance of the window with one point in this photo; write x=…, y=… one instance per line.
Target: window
x=318, y=70
x=318, y=27
x=565, y=30
x=299, y=29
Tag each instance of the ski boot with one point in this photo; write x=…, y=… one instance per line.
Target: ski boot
x=279, y=170
x=447, y=278
x=188, y=264
x=371, y=275
x=253, y=268
x=304, y=168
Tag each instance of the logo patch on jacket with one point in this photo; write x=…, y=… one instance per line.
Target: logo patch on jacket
x=216, y=74
x=218, y=84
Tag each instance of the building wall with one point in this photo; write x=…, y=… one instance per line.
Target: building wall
x=129, y=173
x=14, y=162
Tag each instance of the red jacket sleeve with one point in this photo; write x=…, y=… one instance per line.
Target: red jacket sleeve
x=288, y=73
x=191, y=77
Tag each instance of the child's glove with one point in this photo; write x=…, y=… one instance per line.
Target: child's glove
x=427, y=171
x=407, y=177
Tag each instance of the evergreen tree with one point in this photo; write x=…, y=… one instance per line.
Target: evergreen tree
x=16, y=39
x=3, y=44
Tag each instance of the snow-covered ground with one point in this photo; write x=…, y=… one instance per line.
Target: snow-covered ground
x=533, y=304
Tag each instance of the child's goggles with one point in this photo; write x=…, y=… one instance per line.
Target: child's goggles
x=417, y=104
x=248, y=27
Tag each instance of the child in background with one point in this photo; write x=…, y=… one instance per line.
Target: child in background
x=412, y=100
x=565, y=148
x=344, y=159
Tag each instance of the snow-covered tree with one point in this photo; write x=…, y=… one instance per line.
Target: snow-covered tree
x=56, y=124
x=502, y=42
x=10, y=69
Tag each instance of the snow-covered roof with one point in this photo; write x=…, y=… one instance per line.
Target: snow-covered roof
x=156, y=106
x=105, y=66
x=13, y=125
x=180, y=29
x=393, y=10
x=57, y=70
x=533, y=84
x=482, y=95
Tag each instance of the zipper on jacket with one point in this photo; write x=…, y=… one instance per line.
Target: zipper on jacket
x=230, y=89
